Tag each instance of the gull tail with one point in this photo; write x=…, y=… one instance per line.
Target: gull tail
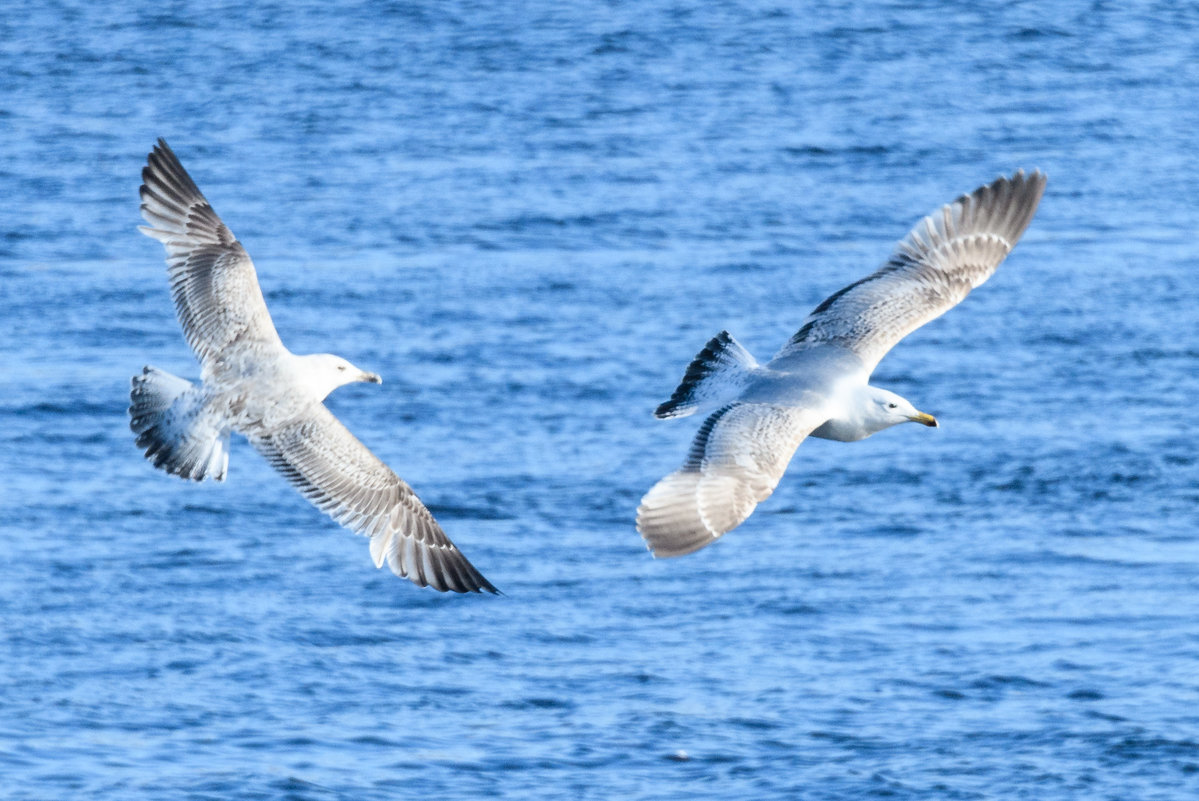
x=715, y=376
x=167, y=414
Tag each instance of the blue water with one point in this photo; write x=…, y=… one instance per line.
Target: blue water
x=528, y=218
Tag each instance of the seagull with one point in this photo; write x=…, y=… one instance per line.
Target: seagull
x=817, y=385
x=252, y=384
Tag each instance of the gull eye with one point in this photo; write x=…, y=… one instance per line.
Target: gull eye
x=892, y=405
x=341, y=367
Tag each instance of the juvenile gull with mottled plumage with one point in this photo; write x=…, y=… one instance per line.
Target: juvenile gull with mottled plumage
x=818, y=384
x=254, y=385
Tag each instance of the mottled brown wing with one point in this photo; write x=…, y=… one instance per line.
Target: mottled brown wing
x=342, y=478
x=213, y=282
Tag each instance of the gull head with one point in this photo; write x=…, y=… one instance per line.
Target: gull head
x=324, y=372
x=866, y=410
x=886, y=409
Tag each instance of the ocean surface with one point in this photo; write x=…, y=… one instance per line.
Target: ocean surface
x=528, y=217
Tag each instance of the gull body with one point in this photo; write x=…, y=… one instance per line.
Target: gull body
x=818, y=384
x=837, y=381
x=252, y=384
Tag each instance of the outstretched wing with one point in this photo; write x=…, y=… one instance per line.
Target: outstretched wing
x=342, y=478
x=213, y=283
x=946, y=255
x=736, y=459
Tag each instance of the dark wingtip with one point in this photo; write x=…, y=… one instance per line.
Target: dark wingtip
x=721, y=355
x=483, y=584
x=459, y=575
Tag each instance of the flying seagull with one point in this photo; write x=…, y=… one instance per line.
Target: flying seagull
x=818, y=384
x=252, y=384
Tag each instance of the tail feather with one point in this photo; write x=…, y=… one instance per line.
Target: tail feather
x=167, y=415
x=715, y=376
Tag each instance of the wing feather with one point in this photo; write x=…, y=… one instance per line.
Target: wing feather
x=342, y=478
x=947, y=254
x=735, y=462
x=213, y=282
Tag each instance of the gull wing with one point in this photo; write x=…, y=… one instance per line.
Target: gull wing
x=948, y=253
x=213, y=282
x=342, y=478
x=736, y=460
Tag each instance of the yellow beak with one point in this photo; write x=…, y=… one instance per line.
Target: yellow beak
x=924, y=419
